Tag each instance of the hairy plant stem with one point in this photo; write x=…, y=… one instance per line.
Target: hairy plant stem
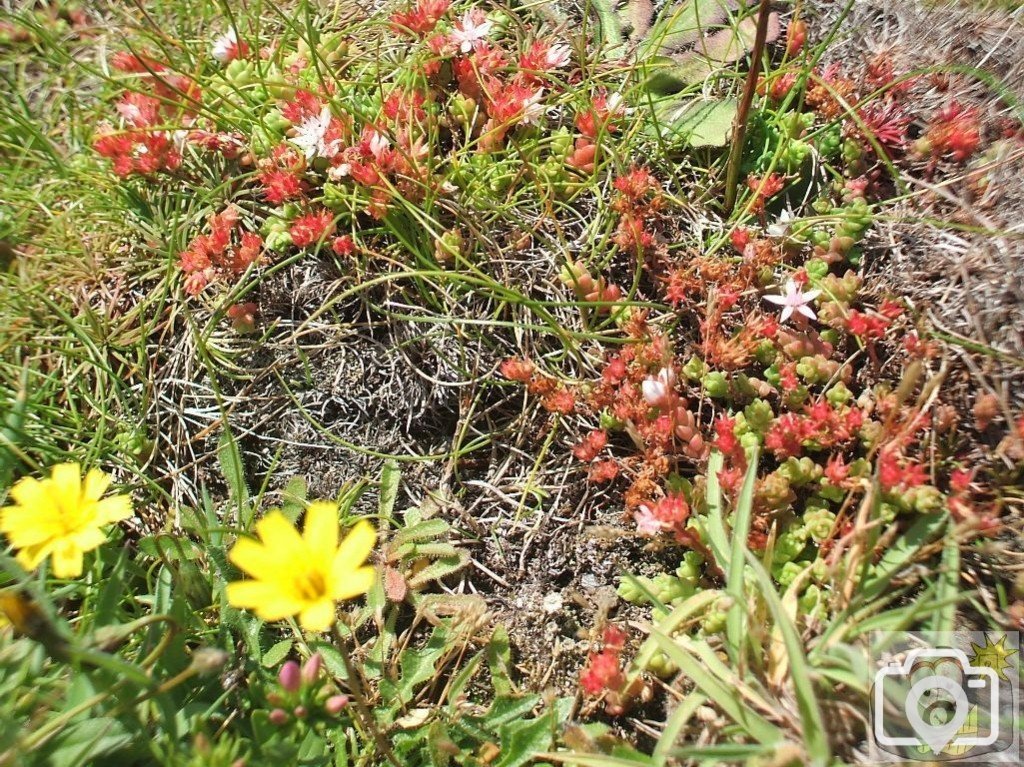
x=739, y=128
x=355, y=687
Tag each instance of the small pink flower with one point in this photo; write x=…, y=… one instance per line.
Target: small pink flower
x=659, y=390
x=795, y=300
x=471, y=27
x=646, y=521
x=227, y=47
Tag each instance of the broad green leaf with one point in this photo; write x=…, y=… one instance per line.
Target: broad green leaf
x=293, y=499
x=695, y=122
x=232, y=468
x=86, y=740
x=277, y=653
x=902, y=552
x=523, y=739
x=390, y=479
x=499, y=660
x=681, y=25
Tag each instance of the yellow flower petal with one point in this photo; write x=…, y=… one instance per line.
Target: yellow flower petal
x=319, y=616
x=28, y=492
x=113, y=509
x=356, y=547
x=30, y=557
x=89, y=539
x=66, y=486
x=353, y=583
x=276, y=531
x=266, y=599
x=320, y=531
x=96, y=484
x=67, y=560
x=27, y=525
x=253, y=558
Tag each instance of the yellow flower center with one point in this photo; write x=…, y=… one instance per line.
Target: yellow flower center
x=310, y=585
x=78, y=517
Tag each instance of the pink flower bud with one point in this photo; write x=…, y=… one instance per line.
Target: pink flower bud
x=278, y=716
x=289, y=677
x=334, y=704
x=300, y=712
x=659, y=390
x=311, y=668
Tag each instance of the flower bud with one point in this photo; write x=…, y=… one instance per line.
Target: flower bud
x=278, y=717
x=311, y=668
x=289, y=677
x=334, y=704
x=300, y=712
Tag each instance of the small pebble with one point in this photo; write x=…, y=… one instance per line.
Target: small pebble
x=552, y=602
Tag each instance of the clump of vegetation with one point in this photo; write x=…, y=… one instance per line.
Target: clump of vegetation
x=658, y=229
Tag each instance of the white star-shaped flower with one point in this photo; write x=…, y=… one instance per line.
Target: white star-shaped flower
x=795, y=300
x=310, y=135
x=471, y=27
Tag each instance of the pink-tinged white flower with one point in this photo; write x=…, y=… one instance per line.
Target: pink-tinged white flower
x=377, y=143
x=557, y=56
x=795, y=300
x=227, y=47
x=311, y=136
x=543, y=57
x=659, y=390
x=533, y=109
x=646, y=521
x=471, y=27
x=669, y=514
x=339, y=171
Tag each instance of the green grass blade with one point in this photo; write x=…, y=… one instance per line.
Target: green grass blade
x=814, y=732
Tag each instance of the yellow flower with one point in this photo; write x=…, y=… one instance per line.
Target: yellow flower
x=61, y=516
x=306, y=574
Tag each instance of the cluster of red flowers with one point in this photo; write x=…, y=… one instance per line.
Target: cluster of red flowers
x=638, y=202
x=821, y=425
x=311, y=228
x=603, y=675
x=555, y=397
x=955, y=130
x=667, y=515
x=896, y=473
x=508, y=95
x=156, y=124
x=219, y=253
x=141, y=148
x=421, y=18
x=764, y=188
x=589, y=449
